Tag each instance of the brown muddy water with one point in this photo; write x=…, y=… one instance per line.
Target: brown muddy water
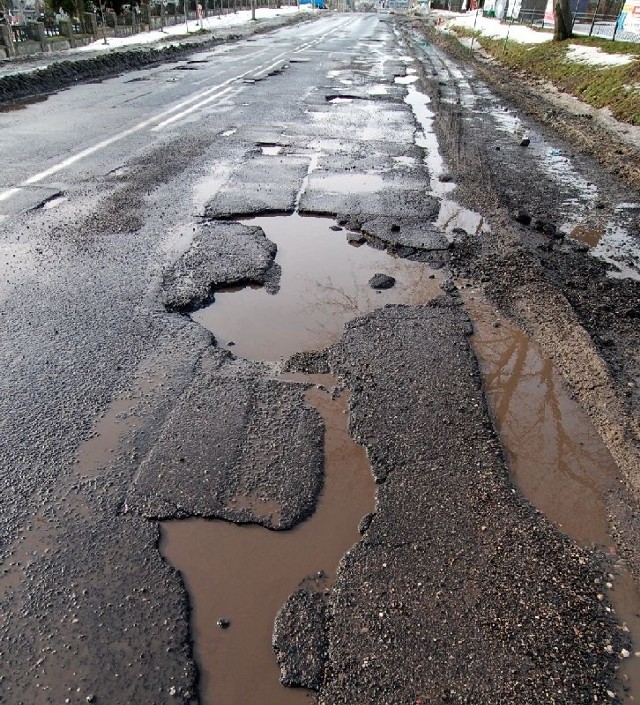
x=244, y=573
x=322, y=287
x=555, y=455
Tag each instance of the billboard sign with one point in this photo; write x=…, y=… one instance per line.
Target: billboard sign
x=630, y=17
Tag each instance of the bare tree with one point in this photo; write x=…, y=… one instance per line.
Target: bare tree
x=562, y=20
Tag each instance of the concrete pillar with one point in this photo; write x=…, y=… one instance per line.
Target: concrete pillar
x=6, y=36
x=91, y=23
x=112, y=21
x=36, y=31
x=145, y=14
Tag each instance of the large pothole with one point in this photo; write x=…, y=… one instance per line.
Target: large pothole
x=323, y=285
x=238, y=576
x=245, y=573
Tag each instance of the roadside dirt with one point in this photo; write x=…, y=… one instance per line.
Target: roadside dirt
x=534, y=263
x=568, y=117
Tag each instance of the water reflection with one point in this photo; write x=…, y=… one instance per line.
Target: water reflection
x=556, y=457
x=324, y=284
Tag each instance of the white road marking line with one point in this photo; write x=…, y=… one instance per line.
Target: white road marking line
x=199, y=99
x=7, y=194
x=192, y=109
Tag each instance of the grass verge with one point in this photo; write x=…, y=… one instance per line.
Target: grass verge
x=613, y=87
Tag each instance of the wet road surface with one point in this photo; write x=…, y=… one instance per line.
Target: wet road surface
x=289, y=163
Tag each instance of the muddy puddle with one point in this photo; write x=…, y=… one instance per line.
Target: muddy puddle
x=109, y=432
x=452, y=215
x=557, y=458
x=324, y=284
x=244, y=573
x=554, y=453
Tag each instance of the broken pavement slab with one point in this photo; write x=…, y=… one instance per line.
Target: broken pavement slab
x=253, y=188
x=366, y=196
x=408, y=235
x=238, y=448
x=300, y=639
x=221, y=254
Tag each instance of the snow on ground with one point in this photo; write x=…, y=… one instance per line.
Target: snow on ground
x=491, y=27
x=180, y=30
x=596, y=57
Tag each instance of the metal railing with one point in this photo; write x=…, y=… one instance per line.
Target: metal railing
x=601, y=20
x=130, y=23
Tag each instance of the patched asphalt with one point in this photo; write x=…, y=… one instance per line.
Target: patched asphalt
x=234, y=438
x=221, y=254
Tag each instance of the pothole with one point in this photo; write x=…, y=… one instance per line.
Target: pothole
x=589, y=234
x=52, y=201
x=406, y=80
x=343, y=97
x=323, y=285
x=239, y=576
x=612, y=244
x=243, y=574
x=270, y=149
x=555, y=455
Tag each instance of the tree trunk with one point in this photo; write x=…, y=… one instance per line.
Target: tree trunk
x=562, y=20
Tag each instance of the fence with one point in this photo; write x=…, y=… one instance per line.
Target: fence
x=591, y=19
x=49, y=34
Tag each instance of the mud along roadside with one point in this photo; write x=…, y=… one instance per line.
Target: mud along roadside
x=614, y=145
x=543, y=198
x=29, y=78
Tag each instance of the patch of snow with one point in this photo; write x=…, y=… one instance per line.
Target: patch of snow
x=595, y=56
x=491, y=27
x=208, y=24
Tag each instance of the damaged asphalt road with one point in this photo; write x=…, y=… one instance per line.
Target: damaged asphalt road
x=119, y=410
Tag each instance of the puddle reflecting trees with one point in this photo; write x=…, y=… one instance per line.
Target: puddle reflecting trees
x=555, y=455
